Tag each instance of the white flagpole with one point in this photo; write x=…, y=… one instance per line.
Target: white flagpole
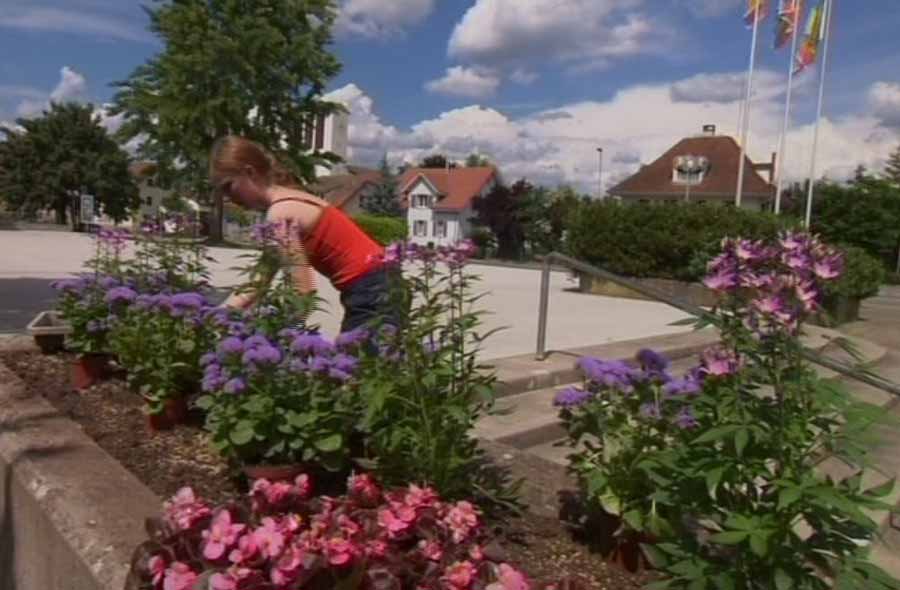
x=782, y=151
x=745, y=122
x=812, y=164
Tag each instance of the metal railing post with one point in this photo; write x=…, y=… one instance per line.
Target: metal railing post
x=543, y=307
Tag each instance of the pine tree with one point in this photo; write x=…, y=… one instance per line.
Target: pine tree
x=256, y=69
x=384, y=199
x=892, y=169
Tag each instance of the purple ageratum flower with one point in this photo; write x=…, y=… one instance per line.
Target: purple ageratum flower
x=651, y=360
x=339, y=375
x=298, y=366
x=320, y=364
x=352, y=339
x=718, y=361
x=688, y=385
x=75, y=286
x=208, y=359
x=235, y=386
x=108, y=282
x=344, y=362
x=256, y=341
x=262, y=355
x=189, y=300
x=571, y=397
x=651, y=410
x=230, y=346
x=612, y=374
x=120, y=295
x=312, y=343
x=686, y=420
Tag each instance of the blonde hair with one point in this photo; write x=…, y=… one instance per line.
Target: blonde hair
x=232, y=154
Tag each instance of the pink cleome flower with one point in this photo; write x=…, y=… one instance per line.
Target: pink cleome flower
x=221, y=535
x=459, y=576
x=179, y=576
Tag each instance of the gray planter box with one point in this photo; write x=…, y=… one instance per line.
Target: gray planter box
x=839, y=310
x=49, y=331
x=693, y=293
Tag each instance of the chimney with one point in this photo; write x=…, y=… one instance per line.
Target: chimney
x=709, y=130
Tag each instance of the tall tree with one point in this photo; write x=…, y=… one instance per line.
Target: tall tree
x=892, y=169
x=256, y=69
x=60, y=155
x=502, y=210
x=437, y=161
x=384, y=200
x=476, y=161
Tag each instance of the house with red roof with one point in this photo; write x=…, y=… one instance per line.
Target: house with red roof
x=347, y=190
x=438, y=201
x=701, y=169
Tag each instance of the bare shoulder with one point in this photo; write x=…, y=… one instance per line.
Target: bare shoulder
x=297, y=206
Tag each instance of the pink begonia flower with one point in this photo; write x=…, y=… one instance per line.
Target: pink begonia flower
x=349, y=528
x=185, y=510
x=157, y=567
x=376, y=549
x=269, y=539
x=221, y=535
x=290, y=524
x=508, y=578
x=236, y=579
x=303, y=486
x=288, y=566
x=179, y=576
x=475, y=553
x=394, y=525
x=364, y=490
x=459, y=576
x=462, y=518
x=246, y=550
x=431, y=550
x=340, y=551
x=417, y=497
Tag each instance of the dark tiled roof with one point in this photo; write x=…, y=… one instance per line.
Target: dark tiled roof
x=719, y=182
x=339, y=189
x=457, y=186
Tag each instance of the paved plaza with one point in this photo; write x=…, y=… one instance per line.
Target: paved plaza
x=30, y=260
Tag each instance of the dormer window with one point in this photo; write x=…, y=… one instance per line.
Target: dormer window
x=689, y=169
x=420, y=200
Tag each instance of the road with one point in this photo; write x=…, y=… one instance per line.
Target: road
x=30, y=260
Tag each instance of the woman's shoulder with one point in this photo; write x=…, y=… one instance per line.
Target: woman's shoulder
x=297, y=206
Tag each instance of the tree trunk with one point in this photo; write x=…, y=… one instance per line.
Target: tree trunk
x=216, y=228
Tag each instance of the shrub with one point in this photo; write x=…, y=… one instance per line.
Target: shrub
x=384, y=230
x=660, y=241
x=400, y=539
x=485, y=242
x=863, y=275
x=720, y=464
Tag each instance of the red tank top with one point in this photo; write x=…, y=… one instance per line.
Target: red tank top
x=340, y=250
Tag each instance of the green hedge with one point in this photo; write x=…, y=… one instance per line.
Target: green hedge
x=661, y=241
x=384, y=230
x=863, y=275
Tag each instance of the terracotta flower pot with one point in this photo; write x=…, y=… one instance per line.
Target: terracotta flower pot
x=175, y=411
x=273, y=472
x=628, y=553
x=89, y=369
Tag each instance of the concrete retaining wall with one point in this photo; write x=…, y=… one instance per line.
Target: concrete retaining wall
x=70, y=515
x=693, y=293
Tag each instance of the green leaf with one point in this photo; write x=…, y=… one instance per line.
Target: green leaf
x=740, y=441
x=715, y=434
x=729, y=537
x=187, y=346
x=713, y=478
x=634, y=519
x=205, y=402
x=330, y=443
x=782, y=580
x=759, y=543
x=241, y=437
x=788, y=496
x=882, y=490
x=656, y=557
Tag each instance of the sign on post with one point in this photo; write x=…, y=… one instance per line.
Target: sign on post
x=87, y=209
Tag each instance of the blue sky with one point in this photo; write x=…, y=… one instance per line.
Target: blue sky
x=480, y=75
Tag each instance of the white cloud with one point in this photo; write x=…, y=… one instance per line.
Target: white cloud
x=523, y=76
x=576, y=32
x=635, y=126
x=884, y=97
x=467, y=82
x=728, y=87
x=380, y=19
x=67, y=20
x=72, y=87
x=20, y=91
x=708, y=8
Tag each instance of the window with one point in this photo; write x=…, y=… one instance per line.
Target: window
x=420, y=200
x=149, y=201
x=420, y=228
x=440, y=229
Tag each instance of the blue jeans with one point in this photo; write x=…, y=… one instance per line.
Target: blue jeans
x=367, y=300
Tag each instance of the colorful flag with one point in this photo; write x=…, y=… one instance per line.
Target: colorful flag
x=814, y=34
x=788, y=17
x=757, y=10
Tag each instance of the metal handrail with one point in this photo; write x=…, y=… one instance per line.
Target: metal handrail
x=694, y=310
